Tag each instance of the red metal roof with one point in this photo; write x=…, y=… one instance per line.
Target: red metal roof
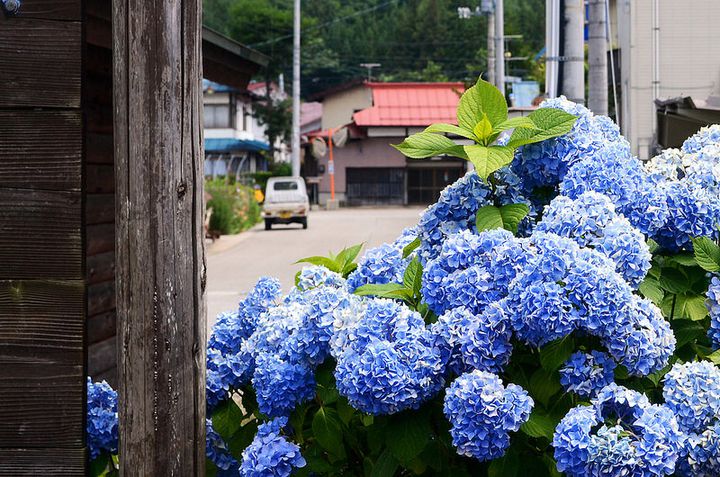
x=411, y=104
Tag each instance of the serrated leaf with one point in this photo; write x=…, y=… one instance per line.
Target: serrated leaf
x=424, y=144
x=326, y=262
x=651, y=290
x=346, y=258
x=673, y=280
x=544, y=385
x=227, y=419
x=385, y=466
x=550, y=123
x=540, y=425
x=327, y=430
x=684, y=259
x=707, y=254
x=714, y=357
x=450, y=129
x=488, y=218
x=483, y=129
x=388, y=290
x=345, y=410
x=517, y=122
x=406, y=436
x=479, y=99
x=512, y=215
x=692, y=307
x=411, y=247
x=413, y=276
x=554, y=354
x=488, y=159
x=687, y=331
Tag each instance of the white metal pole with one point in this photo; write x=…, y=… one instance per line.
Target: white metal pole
x=574, y=61
x=491, y=47
x=500, y=45
x=295, y=157
x=597, y=59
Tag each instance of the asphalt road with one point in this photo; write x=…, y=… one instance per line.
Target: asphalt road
x=236, y=262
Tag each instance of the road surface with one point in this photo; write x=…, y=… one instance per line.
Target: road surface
x=236, y=262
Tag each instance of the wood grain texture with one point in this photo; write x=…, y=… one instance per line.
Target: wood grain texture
x=40, y=235
x=101, y=298
x=41, y=322
x=99, y=238
x=160, y=250
x=52, y=9
x=101, y=327
x=40, y=63
x=99, y=148
x=40, y=149
x=102, y=356
x=41, y=403
x=43, y=462
x=100, y=267
x=100, y=208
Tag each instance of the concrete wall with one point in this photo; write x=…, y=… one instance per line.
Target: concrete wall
x=370, y=152
x=689, y=59
x=339, y=108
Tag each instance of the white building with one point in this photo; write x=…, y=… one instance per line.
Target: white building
x=235, y=141
x=667, y=48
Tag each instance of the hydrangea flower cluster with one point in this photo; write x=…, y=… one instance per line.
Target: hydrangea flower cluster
x=314, y=276
x=102, y=419
x=270, y=454
x=621, y=434
x=586, y=374
x=379, y=265
x=692, y=392
x=713, y=305
x=216, y=450
x=591, y=221
x=389, y=364
x=482, y=413
x=707, y=136
x=545, y=164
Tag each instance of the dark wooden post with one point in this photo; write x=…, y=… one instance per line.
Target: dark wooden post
x=160, y=246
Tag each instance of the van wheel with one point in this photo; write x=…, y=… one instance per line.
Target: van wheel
x=304, y=222
x=268, y=224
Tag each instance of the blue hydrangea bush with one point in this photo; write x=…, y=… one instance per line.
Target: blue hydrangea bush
x=559, y=315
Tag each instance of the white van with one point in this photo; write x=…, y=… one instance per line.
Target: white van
x=286, y=202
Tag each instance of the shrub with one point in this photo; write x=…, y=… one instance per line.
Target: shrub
x=234, y=207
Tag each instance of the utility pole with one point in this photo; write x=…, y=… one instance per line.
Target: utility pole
x=295, y=157
x=500, y=45
x=369, y=67
x=597, y=58
x=491, y=45
x=574, y=52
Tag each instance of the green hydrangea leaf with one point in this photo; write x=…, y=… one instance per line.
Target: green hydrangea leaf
x=479, y=99
x=450, y=129
x=425, y=144
x=488, y=159
x=327, y=430
x=707, y=254
x=550, y=123
x=411, y=247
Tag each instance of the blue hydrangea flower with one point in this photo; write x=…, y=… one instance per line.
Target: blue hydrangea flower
x=621, y=434
x=388, y=362
x=700, y=454
x=615, y=173
x=468, y=341
x=482, y=412
x=713, y=306
x=472, y=270
x=379, y=265
x=692, y=392
x=591, y=221
x=270, y=454
x=280, y=385
x=587, y=373
x=709, y=135
x=314, y=276
x=102, y=419
x=218, y=453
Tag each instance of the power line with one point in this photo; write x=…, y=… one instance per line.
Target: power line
x=331, y=22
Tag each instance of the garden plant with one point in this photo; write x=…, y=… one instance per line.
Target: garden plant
x=555, y=313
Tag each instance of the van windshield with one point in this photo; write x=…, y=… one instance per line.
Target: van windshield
x=289, y=185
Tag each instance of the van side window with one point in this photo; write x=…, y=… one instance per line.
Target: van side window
x=285, y=186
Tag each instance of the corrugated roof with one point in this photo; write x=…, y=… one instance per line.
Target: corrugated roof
x=218, y=145
x=411, y=104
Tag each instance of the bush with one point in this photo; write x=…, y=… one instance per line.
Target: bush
x=234, y=207
x=532, y=323
x=279, y=169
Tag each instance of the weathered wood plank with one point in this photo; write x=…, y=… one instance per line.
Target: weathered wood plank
x=100, y=267
x=99, y=178
x=52, y=9
x=40, y=149
x=41, y=405
x=41, y=322
x=99, y=148
x=99, y=238
x=100, y=209
x=101, y=298
x=40, y=235
x=40, y=63
x=102, y=356
x=43, y=462
x=160, y=250
x=101, y=327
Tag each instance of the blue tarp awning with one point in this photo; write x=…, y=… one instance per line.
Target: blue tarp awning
x=218, y=145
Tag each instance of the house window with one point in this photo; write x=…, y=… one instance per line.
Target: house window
x=217, y=116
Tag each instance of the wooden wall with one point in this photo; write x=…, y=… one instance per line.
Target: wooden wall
x=42, y=264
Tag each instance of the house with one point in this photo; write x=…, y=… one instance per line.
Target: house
x=661, y=57
x=367, y=118
x=236, y=141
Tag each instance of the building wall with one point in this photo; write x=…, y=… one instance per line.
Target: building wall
x=338, y=109
x=689, y=59
x=369, y=152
